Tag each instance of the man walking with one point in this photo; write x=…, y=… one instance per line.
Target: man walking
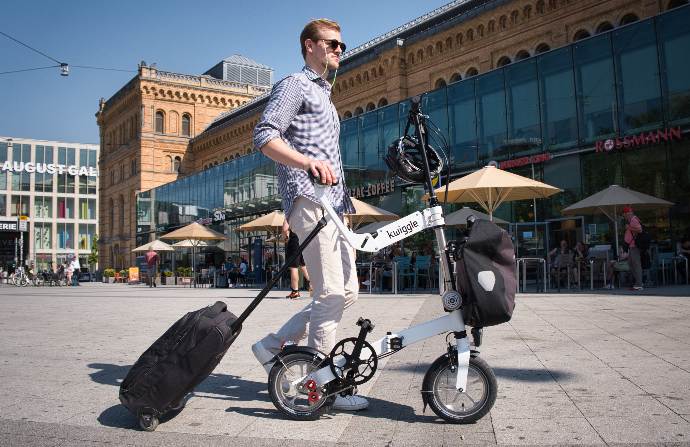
x=151, y=258
x=632, y=229
x=299, y=130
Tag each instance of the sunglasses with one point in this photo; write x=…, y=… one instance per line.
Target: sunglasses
x=334, y=43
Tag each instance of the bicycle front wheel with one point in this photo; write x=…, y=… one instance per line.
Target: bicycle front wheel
x=455, y=406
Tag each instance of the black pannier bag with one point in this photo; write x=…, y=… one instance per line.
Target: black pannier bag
x=178, y=361
x=485, y=273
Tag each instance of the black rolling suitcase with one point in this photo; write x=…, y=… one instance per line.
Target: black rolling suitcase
x=177, y=362
x=187, y=353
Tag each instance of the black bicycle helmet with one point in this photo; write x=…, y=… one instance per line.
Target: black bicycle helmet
x=404, y=158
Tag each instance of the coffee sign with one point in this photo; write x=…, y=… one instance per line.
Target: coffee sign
x=373, y=189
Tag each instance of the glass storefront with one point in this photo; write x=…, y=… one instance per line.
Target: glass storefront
x=565, y=103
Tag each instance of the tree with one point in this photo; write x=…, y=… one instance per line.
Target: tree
x=93, y=256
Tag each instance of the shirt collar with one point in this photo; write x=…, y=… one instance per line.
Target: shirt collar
x=314, y=76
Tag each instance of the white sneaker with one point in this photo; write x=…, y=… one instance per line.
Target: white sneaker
x=350, y=403
x=263, y=355
x=366, y=283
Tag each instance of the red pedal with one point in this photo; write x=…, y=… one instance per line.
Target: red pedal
x=313, y=397
x=311, y=385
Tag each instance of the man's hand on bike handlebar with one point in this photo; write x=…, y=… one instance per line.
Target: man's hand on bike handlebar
x=322, y=171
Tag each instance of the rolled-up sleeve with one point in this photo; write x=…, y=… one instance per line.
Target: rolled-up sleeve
x=283, y=105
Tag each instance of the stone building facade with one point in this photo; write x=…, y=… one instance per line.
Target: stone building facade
x=456, y=41
x=465, y=38
x=461, y=39
x=145, y=129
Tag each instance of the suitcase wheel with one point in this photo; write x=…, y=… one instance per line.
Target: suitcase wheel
x=148, y=422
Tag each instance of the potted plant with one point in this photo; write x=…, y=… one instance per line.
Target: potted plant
x=169, y=278
x=109, y=275
x=185, y=275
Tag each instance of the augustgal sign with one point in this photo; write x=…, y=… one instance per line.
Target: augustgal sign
x=48, y=168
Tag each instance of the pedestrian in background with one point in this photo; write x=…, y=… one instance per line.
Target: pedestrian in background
x=151, y=258
x=291, y=248
x=633, y=227
x=76, y=267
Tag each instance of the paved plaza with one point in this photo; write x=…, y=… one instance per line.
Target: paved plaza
x=572, y=368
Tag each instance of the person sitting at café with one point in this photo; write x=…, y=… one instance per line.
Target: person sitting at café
x=617, y=266
x=243, y=269
x=561, y=259
x=232, y=272
x=581, y=253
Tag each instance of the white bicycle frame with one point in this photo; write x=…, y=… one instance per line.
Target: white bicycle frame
x=388, y=235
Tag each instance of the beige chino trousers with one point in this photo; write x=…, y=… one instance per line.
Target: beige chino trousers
x=330, y=261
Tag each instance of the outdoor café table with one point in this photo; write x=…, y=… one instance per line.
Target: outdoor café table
x=593, y=261
x=524, y=262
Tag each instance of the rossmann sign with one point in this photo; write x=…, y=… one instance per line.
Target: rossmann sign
x=49, y=168
x=639, y=140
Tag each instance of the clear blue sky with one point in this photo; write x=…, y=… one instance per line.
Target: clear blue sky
x=179, y=36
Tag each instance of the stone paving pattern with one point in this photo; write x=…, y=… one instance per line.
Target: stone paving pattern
x=572, y=369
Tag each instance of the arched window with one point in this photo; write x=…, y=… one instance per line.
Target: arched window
x=133, y=166
x=358, y=111
x=542, y=48
x=122, y=215
x=629, y=18
x=186, y=125
x=347, y=115
x=522, y=54
x=470, y=35
x=527, y=12
x=503, y=61
x=514, y=17
x=480, y=31
x=371, y=106
x=540, y=7
x=580, y=34
x=111, y=214
x=383, y=102
x=455, y=77
x=440, y=83
x=177, y=161
x=491, y=27
x=471, y=72
x=676, y=3
x=160, y=122
x=603, y=27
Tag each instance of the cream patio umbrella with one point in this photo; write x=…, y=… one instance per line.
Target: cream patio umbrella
x=491, y=186
x=187, y=243
x=196, y=234
x=459, y=218
x=156, y=245
x=271, y=222
x=365, y=213
x=609, y=200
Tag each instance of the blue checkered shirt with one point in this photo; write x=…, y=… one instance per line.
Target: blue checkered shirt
x=301, y=113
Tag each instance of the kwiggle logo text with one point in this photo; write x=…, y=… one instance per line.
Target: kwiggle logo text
x=405, y=229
